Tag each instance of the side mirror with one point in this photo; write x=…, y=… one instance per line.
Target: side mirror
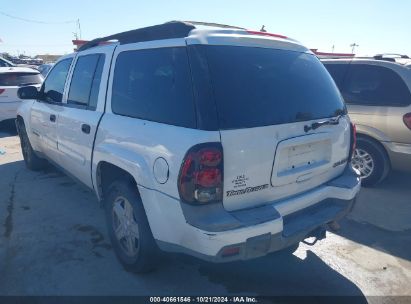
x=28, y=92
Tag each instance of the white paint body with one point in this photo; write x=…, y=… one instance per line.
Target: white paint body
x=134, y=145
x=9, y=101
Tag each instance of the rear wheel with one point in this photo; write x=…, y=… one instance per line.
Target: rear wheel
x=128, y=228
x=371, y=161
x=33, y=162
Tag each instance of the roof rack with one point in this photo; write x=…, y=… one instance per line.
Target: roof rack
x=390, y=57
x=168, y=30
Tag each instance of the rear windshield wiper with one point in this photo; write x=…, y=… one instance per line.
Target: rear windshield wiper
x=316, y=125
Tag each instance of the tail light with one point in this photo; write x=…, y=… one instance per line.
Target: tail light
x=1, y=91
x=353, y=142
x=407, y=120
x=201, y=174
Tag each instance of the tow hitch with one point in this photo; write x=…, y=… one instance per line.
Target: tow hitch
x=318, y=235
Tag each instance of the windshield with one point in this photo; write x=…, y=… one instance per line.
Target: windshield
x=5, y=63
x=260, y=86
x=20, y=79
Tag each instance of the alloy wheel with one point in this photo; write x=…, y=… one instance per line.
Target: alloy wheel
x=363, y=162
x=125, y=226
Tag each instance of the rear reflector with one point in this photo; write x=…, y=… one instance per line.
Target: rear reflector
x=407, y=120
x=267, y=34
x=2, y=90
x=230, y=251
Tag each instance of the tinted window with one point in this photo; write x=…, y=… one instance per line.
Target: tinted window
x=155, y=85
x=85, y=81
x=260, y=86
x=338, y=72
x=20, y=79
x=95, y=86
x=5, y=63
x=53, y=86
x=375, y=85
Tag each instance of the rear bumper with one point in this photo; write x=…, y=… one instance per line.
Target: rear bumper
x=8, y=110
x=258, y=231
x=399, y=154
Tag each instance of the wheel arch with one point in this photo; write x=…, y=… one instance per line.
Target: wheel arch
x=106, y=173
x=375, y=141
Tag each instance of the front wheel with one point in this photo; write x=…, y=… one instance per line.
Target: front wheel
x=371, y=161
x=128, y=228
x=33, y=162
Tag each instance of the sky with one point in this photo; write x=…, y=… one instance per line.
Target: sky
x=377, y=26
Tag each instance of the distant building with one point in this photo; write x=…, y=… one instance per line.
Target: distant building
x=78, y=43
x=48, y=58
x=331, y=55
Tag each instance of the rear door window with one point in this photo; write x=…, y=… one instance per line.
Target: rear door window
x=154, y=84
x=85, y=81
x=338, y=72
x=261, y=86
x=53, y=86
x=20, y=79
x=375, y=86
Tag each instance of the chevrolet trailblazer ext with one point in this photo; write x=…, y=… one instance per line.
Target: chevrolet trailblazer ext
x=205, y=139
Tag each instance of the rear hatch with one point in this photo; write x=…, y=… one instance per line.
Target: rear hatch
x=266, y=99
x=11, y=81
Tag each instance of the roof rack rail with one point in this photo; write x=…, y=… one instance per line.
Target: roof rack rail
x=214, y=24
x=168, y=30
x=390, y=57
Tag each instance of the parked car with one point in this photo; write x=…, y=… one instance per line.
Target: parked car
x=44, y=68
x=377, y=93
x=11, y=79
x=5, y=63
x=220, y=143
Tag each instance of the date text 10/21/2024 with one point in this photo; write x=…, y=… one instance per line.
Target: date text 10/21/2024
x=206, y=299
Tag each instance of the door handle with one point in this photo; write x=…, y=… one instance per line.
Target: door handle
x=53, y=118
x=85, y=128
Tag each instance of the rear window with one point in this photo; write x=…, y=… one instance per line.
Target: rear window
x=338, y=72
x=20, y=79
x=259, y=86
x=155, y=85
x=375, y=86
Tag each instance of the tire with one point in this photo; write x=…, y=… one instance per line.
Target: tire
x=133, y=243
x=33, y=162
x=370, y=152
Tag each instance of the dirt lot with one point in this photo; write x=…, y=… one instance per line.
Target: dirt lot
x=53, y=241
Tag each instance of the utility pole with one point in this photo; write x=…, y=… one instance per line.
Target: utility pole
x=353, y=46
x=79, y=28
x=332, y=49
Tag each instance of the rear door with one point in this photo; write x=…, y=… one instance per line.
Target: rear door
x=267, y=100
x=377, y=96
x=45, y=112
x=83, y=108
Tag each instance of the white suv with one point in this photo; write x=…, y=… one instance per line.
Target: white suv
x=221, y=143
x=11, y=79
